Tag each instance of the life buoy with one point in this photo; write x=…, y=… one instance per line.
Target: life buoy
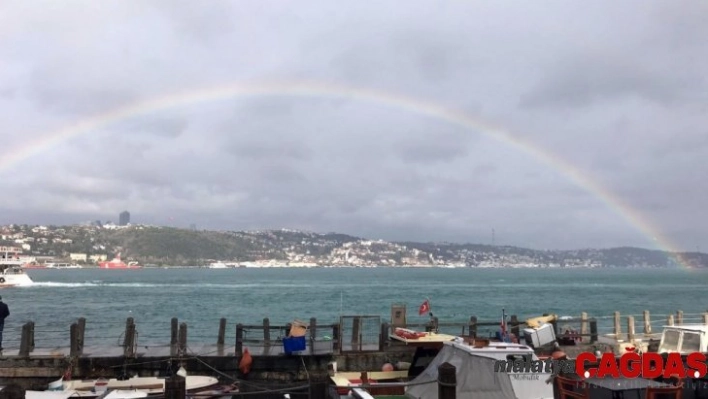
x=2, y=279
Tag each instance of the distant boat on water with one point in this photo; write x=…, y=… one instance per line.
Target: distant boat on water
x=116, y=263
x=13, y=275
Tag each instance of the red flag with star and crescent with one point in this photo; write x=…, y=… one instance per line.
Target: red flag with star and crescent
x=424, y=307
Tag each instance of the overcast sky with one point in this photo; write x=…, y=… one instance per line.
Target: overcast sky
x=617, y=89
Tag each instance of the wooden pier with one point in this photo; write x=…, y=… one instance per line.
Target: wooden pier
x=356, y=343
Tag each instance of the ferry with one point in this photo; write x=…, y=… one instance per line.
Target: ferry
x=116, y=263
x=63, y=266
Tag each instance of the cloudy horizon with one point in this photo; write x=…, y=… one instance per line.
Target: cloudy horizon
x=617, y=91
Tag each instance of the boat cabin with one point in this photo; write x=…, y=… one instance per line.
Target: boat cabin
x=684, y=339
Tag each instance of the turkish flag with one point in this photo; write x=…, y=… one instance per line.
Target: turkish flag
x=424, y=308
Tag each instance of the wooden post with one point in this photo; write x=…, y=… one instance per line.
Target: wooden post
x=74, y=337
x=336, y=337
x=319, y=385
x=313, y=334
x=175, y=387
x=82, y=333
x=182, y=350
x=647, y=323
x=670, y=320
x=356, y=330
x=447, y=381
x=222, y=332
x=383, y=336
x=630, y=328
x=239, y=340
x=679, y=317
x=584, y=331
x=514, y=321
x=266, y=332
x=618, y=328
x=473, y=326
x=27, y=340
x=593, y=330
x=129, y=339
x=705, y=318
x=174, y=328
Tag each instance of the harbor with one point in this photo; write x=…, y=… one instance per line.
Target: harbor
x=355, y=343
x=90, y=325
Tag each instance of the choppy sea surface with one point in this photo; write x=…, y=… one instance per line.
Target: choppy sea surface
x=200, y=297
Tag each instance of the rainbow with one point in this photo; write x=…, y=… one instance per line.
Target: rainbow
x=320, y=89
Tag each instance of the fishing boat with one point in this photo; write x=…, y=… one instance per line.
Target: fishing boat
x=387, y=381
x=116, y=263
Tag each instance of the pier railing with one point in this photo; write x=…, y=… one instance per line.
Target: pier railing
x=356, y=333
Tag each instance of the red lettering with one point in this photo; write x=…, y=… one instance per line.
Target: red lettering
x=608, y=366
x=697, y=363
x=630, y=364
x=651, y=365
x=580, y=365
x=674, y=366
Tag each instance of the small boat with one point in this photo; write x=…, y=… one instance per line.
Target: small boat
x=13, y=276
x=150, y=386
x=476, y=361
x=477, y=374
x=390, y=377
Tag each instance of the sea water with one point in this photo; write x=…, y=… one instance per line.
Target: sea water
x=200, y=297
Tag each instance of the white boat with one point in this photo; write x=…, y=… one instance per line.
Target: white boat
x=218, y=265
x=476, y=374
x=144, y=385
x=476, y=370
x=13, y=276
x=63, y=266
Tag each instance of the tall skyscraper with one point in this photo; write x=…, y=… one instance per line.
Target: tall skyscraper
x=124, y=218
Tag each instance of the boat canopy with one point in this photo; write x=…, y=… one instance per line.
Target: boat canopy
x=476, y=377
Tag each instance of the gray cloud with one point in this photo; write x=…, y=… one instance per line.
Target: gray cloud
x=604, y=92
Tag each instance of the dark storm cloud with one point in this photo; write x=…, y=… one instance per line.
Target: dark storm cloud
x=612, y=93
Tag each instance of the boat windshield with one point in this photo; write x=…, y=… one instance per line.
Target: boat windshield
x=14, y=270
x=691, y=342
x=670, y=341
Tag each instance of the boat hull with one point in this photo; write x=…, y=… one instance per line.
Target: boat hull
x=14, y=280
